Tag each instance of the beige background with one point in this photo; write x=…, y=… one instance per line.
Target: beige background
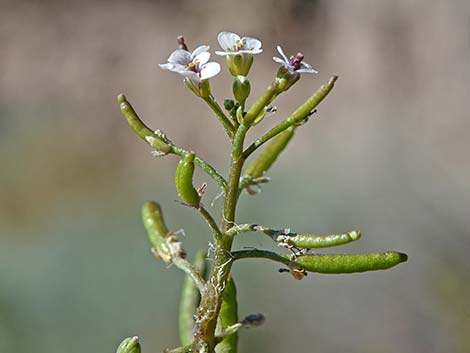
x=387, y=153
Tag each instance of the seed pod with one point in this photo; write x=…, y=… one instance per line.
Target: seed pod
x=184, y=181
x=265, y=159
x=165, y=244
x=313, y=241
x=228, y=316
x=344, y=263
x=190, y=300
x=155, y=140
x=305, y=109
x=129, y=345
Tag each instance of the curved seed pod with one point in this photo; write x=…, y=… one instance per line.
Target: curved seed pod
x=312, y=241
x=190, y=298
x=129, y=345
x=157, y=141
x=343, y=263
x=165, y=244
x=184, y=181
x=152, y=216
x=228, y=316
x=265, y=159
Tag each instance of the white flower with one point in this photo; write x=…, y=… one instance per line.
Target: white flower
x=194, y=66
x=294, y=63
x=232, y=44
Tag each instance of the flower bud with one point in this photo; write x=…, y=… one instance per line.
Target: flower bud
x=241, y=89
x=229, y=104
x=129, y=345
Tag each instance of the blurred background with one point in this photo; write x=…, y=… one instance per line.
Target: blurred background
x=387, y=153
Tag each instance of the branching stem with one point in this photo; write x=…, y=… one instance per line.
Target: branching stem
x=190, y=270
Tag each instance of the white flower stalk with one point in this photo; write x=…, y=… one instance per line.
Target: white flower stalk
x=238, y=52
x=194, y=67
x=294, y=63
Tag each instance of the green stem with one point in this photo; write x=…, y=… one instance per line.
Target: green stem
x=264, y=254
x=190, y=298
x=208, y=311
x=185, y=349
x=160, y=142
x=211, y=222
x=191, y=271
x=229, y=128
x=297, y=116
x=267, y=97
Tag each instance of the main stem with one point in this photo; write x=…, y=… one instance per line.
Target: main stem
x=208, y=311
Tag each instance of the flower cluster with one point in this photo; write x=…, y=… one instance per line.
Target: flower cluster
x=239, y=51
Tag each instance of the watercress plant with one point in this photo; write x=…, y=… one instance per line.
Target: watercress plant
x=208, y=318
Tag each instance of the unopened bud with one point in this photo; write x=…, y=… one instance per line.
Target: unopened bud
x=129, y=345
x=229, y=104
x=241, y=89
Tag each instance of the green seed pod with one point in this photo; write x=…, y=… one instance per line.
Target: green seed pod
x=165, y=244
x=265, y=159
x=228, y=316
x=153, y=139
x=129, y=345
x=184, y=181
x=305, y=109
x=152, y=216
x=190, y=298
x=344, y=263
x=312, y=241
x=241, y=89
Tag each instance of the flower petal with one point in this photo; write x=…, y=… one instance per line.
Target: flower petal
x=227, y=53
x=227, y=40
x=173, y=67
x=200, y=49
x=180, y=56
x=209, y=70
x=251, y=43
x=279, y=49
x=202, y=58
x=304, y=67
x=279, y=61
x=191, y=75
x=166, y=66
x=252, y=52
